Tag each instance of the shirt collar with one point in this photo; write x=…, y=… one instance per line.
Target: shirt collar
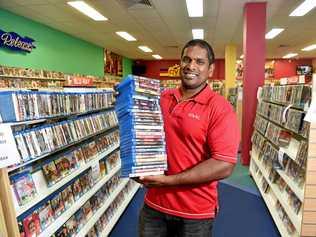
x=202, y=97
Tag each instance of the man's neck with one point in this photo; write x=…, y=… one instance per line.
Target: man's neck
x=188, y=93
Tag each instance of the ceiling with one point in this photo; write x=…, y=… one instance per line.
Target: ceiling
x=165, y=26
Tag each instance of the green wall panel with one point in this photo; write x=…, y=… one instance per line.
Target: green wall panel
x=127, y=66
x=54, y=50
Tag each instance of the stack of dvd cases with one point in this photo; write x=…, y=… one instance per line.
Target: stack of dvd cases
x=142, y=138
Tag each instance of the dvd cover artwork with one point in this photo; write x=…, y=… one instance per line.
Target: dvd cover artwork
x=57, y=204
x=67, y=197
x=50, y=172
x=24, y=187
x=46, y=215
x=31, y=224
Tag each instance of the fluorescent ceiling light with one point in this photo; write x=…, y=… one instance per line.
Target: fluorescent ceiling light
x=145, y=49
x=157, y=56
x=198, y=33
x=125, y=35
x=290, y=55
x=303, y=8
x=309, y=48
x=242, y=56
x=273, y=33
x=87, y=10
x=195, y=8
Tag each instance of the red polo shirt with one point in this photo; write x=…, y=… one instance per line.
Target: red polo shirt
x=200, y=128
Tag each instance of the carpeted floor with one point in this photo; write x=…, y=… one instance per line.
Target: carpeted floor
x=242, y=210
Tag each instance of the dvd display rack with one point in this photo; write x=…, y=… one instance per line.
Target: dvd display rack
x=38, y=79
x=14, y=77
x=169, y=83
x=232, y=96
x=282, y=157
x=218, y=86
x=67, y=181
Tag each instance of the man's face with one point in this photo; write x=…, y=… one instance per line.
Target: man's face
x=32, y=227
x=195, y=68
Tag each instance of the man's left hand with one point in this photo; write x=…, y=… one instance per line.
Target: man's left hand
x=155, y=181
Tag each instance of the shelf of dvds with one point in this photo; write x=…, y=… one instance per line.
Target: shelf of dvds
x=27, y=105
x=27, y=78
x=29, y=122
x=77, y=205
x=102, y=209
x=119, y=212
x=171, y=83
x=270, y=205
x=44, y=190
x=283, y=156
x=299, y=191
x=286, y=138
x=61, y=148
x=295, y=218
x=31, y=78
x=59, y=155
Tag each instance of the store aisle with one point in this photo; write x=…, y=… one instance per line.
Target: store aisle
x=242, y=210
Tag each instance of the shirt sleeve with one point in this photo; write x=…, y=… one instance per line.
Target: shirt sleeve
x=224, y=134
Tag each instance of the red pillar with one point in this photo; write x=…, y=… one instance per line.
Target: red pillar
x=254, y=49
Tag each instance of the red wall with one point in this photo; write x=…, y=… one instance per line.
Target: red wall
x=153, y=68
x=287, y=68
x=282, y=67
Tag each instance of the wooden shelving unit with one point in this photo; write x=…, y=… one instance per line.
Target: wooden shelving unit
x=280, y=166
x=91, y=129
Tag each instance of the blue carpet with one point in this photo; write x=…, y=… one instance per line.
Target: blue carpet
x=242, y=214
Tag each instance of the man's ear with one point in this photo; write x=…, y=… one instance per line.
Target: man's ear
x=211, y=70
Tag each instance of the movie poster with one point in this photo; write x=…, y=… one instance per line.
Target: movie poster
x=112, y=63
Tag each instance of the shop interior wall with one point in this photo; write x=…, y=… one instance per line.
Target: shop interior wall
x=154, y=67
x=127, y=66
x=287, y=68
x=282, y=67
x=55, y=50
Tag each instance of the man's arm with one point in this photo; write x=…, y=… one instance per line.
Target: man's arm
x=204, y=172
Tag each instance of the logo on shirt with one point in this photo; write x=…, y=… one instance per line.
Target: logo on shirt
x=194, y=116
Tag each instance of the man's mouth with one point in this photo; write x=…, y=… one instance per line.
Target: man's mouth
x=190, y=75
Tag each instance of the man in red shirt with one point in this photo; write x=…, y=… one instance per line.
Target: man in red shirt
x=202, y=138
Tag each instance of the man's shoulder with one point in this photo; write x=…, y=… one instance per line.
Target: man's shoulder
x=219, y=102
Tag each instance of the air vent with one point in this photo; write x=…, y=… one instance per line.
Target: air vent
x=135, y=4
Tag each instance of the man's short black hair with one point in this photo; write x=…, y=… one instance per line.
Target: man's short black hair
x=203, y=44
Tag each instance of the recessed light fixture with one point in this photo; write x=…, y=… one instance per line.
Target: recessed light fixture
x=87, y=10
x=198, y=33
x=273, y=33
x=309, y=48
x=290, y=55
x=303, y=8
x=145, y=49
x=157, y=56
x=125, y=35
x=195, y=8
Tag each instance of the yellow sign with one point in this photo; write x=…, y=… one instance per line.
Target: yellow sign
x=173, y=71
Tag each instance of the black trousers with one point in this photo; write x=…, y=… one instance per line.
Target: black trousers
x=153, y=223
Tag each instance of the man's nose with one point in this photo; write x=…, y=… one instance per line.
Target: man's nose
x=192, y=64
